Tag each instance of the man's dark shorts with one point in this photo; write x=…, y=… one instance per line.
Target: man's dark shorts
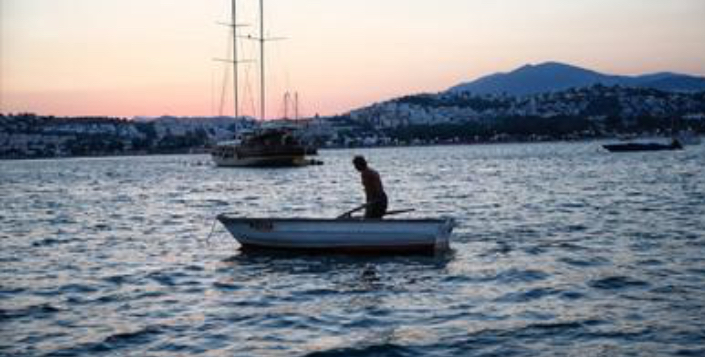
x=377, y=209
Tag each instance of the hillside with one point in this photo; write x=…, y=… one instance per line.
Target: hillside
x=553, y=76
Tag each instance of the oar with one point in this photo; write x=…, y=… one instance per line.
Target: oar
x=399, y=211
x=389, y=213
x=350, y=212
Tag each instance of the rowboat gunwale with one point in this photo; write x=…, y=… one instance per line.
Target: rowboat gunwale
x=229, y=218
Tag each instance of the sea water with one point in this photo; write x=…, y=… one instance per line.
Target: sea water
x=562, y=249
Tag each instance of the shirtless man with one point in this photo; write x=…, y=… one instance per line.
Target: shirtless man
x=376, y=205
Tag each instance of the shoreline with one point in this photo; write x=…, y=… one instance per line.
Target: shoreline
x=206, y=151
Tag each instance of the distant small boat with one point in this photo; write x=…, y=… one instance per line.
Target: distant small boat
x=346, y=235
x=628, y=147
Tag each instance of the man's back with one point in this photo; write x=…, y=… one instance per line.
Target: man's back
x=373, y=184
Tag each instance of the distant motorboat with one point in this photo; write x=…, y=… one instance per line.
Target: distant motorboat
x=629, y=147
x=678, y=140
x=342, y=235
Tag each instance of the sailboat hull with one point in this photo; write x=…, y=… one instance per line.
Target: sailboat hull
x=269, y=148
x=261, y=161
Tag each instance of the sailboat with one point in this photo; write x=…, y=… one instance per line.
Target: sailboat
x=273, y=147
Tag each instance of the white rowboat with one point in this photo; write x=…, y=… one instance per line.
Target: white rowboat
x=348, y=235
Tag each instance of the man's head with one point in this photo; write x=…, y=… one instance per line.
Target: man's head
x=360, y=163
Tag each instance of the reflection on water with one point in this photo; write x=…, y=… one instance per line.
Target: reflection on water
x=562, y=249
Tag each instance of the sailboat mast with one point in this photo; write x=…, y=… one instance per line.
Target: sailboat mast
x=235, y=59
x=296, y=106
x=261, y=54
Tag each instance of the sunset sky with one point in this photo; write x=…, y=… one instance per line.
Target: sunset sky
x=155, y=57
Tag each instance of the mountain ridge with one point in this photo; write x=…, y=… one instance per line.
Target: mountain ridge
x=555, y=76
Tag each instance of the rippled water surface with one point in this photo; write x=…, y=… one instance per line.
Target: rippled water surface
x=563, y=249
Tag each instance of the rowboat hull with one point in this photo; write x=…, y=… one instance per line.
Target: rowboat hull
x=341, y=235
